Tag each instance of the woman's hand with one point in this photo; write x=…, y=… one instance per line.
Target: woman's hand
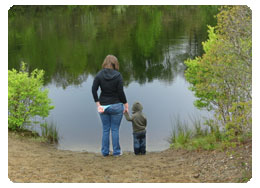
x=100, y=109
x=125, y=108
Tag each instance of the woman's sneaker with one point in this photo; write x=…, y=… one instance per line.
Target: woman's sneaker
x=118, y=155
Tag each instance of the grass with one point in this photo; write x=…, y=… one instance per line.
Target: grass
x=181, y=134
x=25, y=132
x=194, y=136
x=49, y=132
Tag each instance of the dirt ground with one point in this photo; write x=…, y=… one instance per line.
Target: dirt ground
x=32, y=161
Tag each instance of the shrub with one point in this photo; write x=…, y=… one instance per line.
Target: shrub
x=26, y=97
x=222, y=77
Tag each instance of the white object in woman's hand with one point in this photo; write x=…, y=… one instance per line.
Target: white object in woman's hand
x=100, y=109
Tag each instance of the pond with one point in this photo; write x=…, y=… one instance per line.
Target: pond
x=151, y=44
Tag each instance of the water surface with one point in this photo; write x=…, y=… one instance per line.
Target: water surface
x=151, y=43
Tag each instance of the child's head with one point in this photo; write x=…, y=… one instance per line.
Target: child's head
x=137, y=107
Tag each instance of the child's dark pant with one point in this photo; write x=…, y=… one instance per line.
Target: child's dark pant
x=140, y=142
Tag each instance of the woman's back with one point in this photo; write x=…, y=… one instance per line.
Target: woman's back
x=111, y=84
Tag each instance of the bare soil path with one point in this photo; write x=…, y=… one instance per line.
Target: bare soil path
x=32, y=161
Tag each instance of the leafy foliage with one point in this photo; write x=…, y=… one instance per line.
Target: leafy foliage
x=222, y=77
x=26, y=97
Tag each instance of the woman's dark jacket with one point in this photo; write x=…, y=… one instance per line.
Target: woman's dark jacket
x=111, y=83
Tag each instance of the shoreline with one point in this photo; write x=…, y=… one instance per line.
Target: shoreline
x=34, y=136
x=33, y=161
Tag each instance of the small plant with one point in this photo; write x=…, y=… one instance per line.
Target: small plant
x=181, y=134
x=203, y=143
x=196, y=136
x=50, y=132
x=26, y=97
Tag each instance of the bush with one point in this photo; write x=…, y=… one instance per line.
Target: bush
x=26, y=97
x=222, y=77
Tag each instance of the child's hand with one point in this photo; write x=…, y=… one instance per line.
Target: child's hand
x=100, y=109
x=126, y=111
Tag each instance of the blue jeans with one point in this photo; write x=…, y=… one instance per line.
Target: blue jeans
x=111, y=119
x=140, y=142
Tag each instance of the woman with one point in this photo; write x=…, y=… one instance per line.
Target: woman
x=111, y=103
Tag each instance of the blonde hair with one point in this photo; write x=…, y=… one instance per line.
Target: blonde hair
x=111, y=62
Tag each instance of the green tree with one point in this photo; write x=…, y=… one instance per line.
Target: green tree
x=222, y=77
x=26, y=97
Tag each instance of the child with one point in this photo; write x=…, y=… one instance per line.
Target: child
x=139, y=124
